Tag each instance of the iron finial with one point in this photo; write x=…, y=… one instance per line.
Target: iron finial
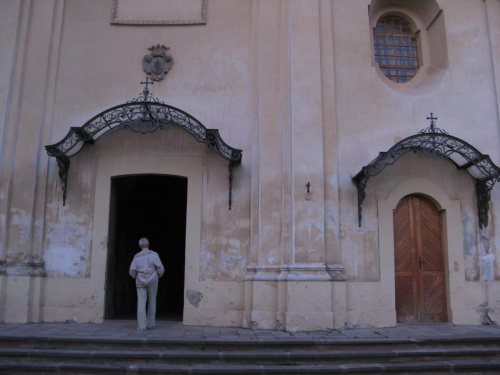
x=146, y=89
x=433, y=122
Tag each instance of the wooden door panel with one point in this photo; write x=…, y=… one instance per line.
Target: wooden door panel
x=433, y=305
x=404, y=299
x=434, y=299
x=402, y=237
x=431, y=236
x=404, y=263
x=419, y=261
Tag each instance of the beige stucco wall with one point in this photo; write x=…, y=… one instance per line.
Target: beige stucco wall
x=294, y=85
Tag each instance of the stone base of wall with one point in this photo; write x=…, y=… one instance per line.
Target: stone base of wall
x=279, y=304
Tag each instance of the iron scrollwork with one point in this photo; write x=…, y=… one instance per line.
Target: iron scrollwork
x=144, y=114
x=436, y=143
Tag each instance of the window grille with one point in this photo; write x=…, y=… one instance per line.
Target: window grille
x=396, y=49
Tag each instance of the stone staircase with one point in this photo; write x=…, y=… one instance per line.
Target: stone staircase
x=64, y=355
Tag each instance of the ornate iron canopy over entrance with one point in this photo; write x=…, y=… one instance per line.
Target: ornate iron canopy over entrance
x=437, y=143
x=144, y=114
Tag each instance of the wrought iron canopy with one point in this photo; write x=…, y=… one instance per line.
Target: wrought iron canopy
x=436, y=143
x=144, y=114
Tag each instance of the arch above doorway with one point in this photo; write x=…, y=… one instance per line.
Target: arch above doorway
x=108, y=167
x=436, y=143
x=458, y=312
x=144, y=114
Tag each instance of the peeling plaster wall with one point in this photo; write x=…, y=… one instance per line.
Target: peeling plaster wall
x=214, y=93
x=406, y=117
x=381, y=115
x=211, y=80
x=494, y=231
x=69, y=227
x=225, y=239
x=293, y=84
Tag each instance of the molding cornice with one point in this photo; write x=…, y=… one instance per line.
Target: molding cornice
x=296, y=272
x=117, y=20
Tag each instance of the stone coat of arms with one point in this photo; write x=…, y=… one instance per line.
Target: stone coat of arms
x=158, y=62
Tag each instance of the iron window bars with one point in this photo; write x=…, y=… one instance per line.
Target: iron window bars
x=395, y=48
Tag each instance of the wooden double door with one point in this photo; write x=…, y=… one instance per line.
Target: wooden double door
x=419, y=262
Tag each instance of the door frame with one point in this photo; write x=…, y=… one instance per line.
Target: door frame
x=109, y=166
x=452, y=244
x=166, y=289
x=413, y=229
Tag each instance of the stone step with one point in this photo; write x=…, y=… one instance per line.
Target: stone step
x=249, y=357
x=437, y=367
x=82, y=352
x=169, y=344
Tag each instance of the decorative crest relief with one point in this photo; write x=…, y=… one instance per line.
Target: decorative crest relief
x=158, y=63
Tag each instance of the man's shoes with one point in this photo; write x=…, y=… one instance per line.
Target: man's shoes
x=150, y=327
x=141, y=329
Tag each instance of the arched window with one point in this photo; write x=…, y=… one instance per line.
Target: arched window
x=396, y=48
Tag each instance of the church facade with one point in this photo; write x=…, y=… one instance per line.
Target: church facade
x=297, y=165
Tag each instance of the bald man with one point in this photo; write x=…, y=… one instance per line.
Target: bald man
x=146, y=269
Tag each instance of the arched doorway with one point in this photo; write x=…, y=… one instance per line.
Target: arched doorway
x=152, y=206
x=420, y=281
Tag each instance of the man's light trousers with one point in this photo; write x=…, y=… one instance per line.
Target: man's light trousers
x=146, y=294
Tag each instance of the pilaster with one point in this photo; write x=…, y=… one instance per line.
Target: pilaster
x=267, y=189
x=26, y=129
x=289, y=252
x=307, y=133
x=492, y=9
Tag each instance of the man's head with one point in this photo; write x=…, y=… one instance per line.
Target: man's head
x=143, y=243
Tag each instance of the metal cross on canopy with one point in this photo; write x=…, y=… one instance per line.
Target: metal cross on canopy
x=433, y=122
x=146, y=89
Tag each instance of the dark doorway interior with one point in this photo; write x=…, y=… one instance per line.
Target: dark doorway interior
x=151, y=206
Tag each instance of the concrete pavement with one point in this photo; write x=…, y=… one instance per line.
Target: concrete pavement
x=174, y=331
